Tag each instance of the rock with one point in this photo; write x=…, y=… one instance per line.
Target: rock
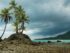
x=59, y=41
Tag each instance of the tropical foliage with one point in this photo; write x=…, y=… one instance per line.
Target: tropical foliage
x=19, y=15
x=5, y=17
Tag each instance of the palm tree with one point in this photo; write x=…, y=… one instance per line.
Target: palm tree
x=16, y=24
x=13, y=4
x=22, y=18
x=5, y=16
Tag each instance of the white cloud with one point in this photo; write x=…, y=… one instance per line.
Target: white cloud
x=32, y=31
x=7, y=34
x=9, y=31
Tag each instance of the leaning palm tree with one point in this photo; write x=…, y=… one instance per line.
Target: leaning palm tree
x=5, y=16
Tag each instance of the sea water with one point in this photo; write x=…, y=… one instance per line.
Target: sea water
x=64, y=41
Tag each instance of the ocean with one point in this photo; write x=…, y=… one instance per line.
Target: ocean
x=64, y=41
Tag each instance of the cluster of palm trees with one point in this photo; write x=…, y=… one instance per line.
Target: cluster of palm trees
x=14, y=12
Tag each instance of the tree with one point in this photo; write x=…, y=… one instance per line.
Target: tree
x=13, y=4
x=16, y=23
x=5, y=16
x=22, y=17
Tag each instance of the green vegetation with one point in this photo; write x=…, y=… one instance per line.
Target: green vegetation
x=5, y=16
x=16, y=14
x=20, y=16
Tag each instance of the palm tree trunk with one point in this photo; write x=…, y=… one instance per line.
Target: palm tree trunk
x=4, y=30
x=17, y=29
x=22, y=31
x=22, y=27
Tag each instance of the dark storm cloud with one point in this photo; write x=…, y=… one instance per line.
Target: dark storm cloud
x=47, y=17
x=66, y=2
x=51, y=17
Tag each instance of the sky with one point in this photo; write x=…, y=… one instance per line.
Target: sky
x=48, y=18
